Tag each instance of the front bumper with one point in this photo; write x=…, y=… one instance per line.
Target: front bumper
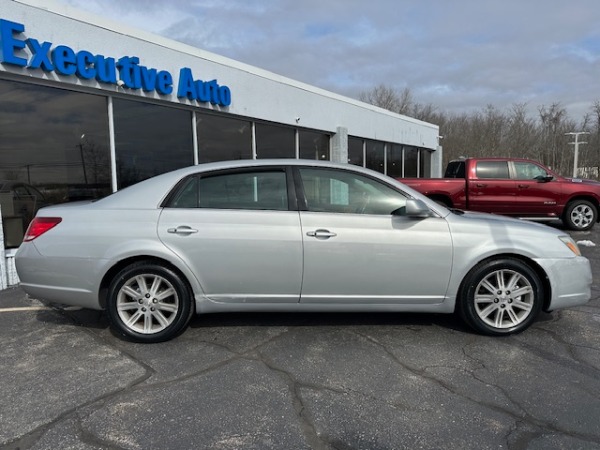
x=570, y=281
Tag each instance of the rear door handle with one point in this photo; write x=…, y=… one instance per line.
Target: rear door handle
x=481, y=185
x=321, y=234
x=182, y=230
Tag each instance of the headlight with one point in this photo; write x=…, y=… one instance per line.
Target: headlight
x=569, y=242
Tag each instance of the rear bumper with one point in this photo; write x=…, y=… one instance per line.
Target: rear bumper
x=59, y=280
x=570, y=281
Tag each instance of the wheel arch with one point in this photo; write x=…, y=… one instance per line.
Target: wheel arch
x=543, y=276
x=587, y=197
x=120, y=265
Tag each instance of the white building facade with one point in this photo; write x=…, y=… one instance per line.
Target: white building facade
x=89, y=106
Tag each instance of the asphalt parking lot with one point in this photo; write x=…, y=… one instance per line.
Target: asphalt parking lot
x=283, y=381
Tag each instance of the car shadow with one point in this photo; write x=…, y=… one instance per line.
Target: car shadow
x=279, y=319
x=98, y=320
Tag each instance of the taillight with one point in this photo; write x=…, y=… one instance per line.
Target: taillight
x=39, y=225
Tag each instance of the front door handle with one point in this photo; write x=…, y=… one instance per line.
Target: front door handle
x=321, y=234
x=183, y=230
x=523, y=186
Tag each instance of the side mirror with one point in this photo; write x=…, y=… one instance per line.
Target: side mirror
x=417, y=208
x=543, y=178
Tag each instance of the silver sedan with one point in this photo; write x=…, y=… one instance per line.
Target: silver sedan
x=293, y=235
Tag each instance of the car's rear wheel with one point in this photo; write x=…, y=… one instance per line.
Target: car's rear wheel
x=148, y=302
x=500, y=297
x=580, y=215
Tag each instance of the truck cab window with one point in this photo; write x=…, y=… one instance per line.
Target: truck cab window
x=492, y=169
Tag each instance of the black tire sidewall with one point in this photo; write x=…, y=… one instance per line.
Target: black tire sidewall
x=183, y=291
x=466, y=300
x=571, y=206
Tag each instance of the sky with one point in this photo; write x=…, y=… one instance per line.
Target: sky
x=459, y=55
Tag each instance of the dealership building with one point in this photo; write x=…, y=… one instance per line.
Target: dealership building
x=89, y=106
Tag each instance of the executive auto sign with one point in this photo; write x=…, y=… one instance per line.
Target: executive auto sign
x=126, y=71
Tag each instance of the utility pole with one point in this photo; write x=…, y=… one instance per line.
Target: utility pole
x=576, y=144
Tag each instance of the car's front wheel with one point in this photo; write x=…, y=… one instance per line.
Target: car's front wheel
x=500, y=297
x=148, y=303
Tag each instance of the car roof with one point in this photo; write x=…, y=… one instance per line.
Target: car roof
x=150, y=193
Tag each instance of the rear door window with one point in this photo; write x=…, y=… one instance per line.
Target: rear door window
x=492, y=169
x=246, y=190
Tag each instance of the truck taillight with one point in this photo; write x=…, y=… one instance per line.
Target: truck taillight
x=39, y=225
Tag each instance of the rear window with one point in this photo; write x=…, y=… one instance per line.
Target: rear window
x=492, y=169
x=455, y=169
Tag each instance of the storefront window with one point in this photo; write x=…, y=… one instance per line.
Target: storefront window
x=355, y=151
x=425, y=161
x=223, y=138
x=150, y=140
x=313, y=145
x=274, y=141
x=375, y=156
x=394, y=161
x=411, y=159
x=54, y=148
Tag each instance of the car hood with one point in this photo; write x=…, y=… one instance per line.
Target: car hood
x=583, y=181
x=498, y=219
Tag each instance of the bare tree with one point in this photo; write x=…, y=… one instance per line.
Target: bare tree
x=388, y=98
x=493, y=132
x=552, y=134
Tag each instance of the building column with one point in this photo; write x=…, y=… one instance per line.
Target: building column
x=436, y=162
x=339, y=145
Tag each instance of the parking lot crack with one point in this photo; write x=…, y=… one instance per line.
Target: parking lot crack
x=28, y=440
x=525, y=417
x=294, y=386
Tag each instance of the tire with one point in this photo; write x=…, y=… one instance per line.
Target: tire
x=149, y=303
x=500, y=297
x=580, y=215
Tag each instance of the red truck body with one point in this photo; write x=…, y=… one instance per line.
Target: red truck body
x=513, y=187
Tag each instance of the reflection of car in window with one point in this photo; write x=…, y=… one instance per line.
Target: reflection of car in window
x=19, y=203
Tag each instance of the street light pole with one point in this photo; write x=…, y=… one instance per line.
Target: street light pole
x=576, y=144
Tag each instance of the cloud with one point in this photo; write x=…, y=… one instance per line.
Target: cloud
x=458, y=55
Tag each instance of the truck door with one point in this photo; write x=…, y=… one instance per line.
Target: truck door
x=537, y=194
x=491, y=189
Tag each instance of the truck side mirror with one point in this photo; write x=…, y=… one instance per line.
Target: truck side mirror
x=543, y=178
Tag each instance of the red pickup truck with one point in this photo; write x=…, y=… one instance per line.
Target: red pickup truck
x=513, y=187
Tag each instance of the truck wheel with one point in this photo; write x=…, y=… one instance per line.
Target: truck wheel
x=500, y=297
x=580, y=215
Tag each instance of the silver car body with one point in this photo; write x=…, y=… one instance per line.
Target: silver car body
x=261, y=260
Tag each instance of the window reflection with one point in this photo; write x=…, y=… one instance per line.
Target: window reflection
x=411, y=160
x=53, y=144
x=275, y=141
x=335, y=191
x=150, y=140
x=394, y=161
x=223, y=138
x=313, y=145
x=425, y=163
x=264, y=190
x=375, y=156
x=355, y=151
